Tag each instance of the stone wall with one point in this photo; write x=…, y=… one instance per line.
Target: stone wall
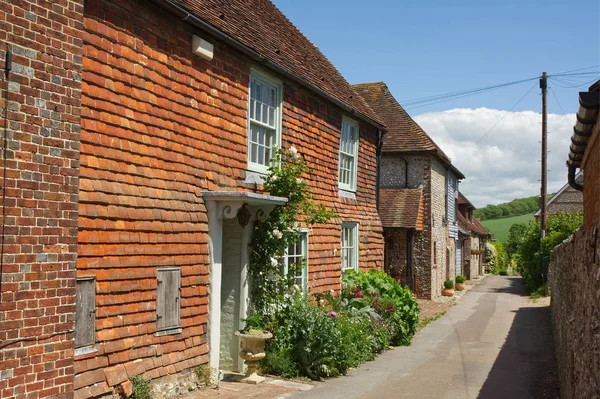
x=439, y=230
x=591, y=180
x=393, y=170
x=574, y=280
x=37, y=303
x=395, y=253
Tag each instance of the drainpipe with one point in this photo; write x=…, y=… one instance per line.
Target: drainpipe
x=572, y=182
x=380, y=134
x=184, y=15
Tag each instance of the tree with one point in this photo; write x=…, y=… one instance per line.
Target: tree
x=516, y=236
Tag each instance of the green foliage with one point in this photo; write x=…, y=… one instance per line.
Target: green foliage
x=392, y=302
x=271, y=238
x=460, y=279
x=141, y=390
x=500, y=227
x=448, y=284
x=255, y=324
x=532, y=255
x=317, y=343
x=516, y=207
x=204, y=374
x=516, y=237
x=497, y=260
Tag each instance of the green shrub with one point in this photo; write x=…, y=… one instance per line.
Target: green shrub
x=460, y=279
x=395, y=304
x=503, y=272
x=317, y=343
x=141, y=390
x=448, y=284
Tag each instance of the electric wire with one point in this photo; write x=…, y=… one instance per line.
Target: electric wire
x=577, y=70
x=497, y=122
x=558, y=102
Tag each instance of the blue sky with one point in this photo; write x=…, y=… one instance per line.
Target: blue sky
x=425, y=48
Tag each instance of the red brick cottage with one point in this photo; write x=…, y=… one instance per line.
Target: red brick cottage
x=137, y=130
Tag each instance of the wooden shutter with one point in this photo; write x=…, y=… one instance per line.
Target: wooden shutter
x=167, y=300
x=85, y=319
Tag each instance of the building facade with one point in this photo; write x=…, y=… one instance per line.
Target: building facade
x=129, y=162
x=418, y=189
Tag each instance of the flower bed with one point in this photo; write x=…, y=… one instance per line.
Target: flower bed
x=326, y=338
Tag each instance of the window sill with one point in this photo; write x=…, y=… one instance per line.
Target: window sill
x=346, y=194
x=85, y=350
x=169, y=331
x=254, y=178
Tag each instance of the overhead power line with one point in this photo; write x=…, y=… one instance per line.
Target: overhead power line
x=498, y=121
x=558, y=102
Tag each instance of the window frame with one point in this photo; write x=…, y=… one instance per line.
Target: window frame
x=304, y=255
x=351, y=186
x=353, y=226
x=278, y=114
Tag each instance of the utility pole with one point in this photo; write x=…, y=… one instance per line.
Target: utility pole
x=544, y=209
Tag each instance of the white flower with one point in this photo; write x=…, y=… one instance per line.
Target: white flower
x=298, y=180
x=293, y=150
x=274, y=177
x=274, y=262
x=278, y=234
x=296, y=288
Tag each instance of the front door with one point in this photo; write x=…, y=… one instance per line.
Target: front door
x=230, y=295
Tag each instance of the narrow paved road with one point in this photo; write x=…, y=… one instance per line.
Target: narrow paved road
x=495, y=343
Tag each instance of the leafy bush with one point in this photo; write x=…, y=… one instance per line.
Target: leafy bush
x=533, y=252
x=497, y=259
x=395, y=304
x=503, y=273
x=140, y=388
x=255, y=324
x=448, y=284
x=460, y=279
x=317, y=343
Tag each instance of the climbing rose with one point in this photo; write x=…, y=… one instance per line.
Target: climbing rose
x=277, y=234
x=293, y=150
x=274, y=262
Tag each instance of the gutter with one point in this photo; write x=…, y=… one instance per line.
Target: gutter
x=190, y=18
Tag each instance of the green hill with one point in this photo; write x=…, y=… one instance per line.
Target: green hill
x=516, y=207
x=499, y=227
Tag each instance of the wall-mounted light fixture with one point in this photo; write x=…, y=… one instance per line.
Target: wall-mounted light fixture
x=202, y=48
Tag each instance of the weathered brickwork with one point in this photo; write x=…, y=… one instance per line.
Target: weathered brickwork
x=37, y=298
x=159, y=127
x=575, y=286
x=395, y=254
x=591, y=181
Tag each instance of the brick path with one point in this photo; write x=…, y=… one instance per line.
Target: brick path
x=234, y=390
x=430, y=309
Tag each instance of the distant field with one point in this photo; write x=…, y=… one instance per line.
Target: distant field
x=499, y=227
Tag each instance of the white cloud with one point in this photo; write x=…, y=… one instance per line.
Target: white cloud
x=505, y=164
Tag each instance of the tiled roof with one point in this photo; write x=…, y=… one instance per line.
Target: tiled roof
x=463, y=223
x=479, y=228
x=404, y=134
x=260, y=26
x=463, y=200
x=401, y=207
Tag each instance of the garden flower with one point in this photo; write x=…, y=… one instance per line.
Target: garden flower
x=278, y=234
x=274, y=177
x=333, y=314
x=274, y=262
x=293, y=150
x=391, y=310
x=296, y=288
x=298, y=180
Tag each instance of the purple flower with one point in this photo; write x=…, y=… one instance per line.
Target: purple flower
x=374, y=294
x=391, y=310
x=333, y=314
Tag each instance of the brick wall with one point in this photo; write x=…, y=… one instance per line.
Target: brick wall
x=573, y=280
x=591, y=181
x=37, y=303
x=159, y=127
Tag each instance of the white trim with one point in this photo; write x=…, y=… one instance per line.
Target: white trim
x=304, y=255
x=353, y=226
x=577, y=176
x=278, y=84
x=354, y=171
x=85, y=350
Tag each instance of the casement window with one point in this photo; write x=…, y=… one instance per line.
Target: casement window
x=296, y=258
x=348, y=155
x=168, y=301
x=349, y=246
x=85, y=312
x=264, y=124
